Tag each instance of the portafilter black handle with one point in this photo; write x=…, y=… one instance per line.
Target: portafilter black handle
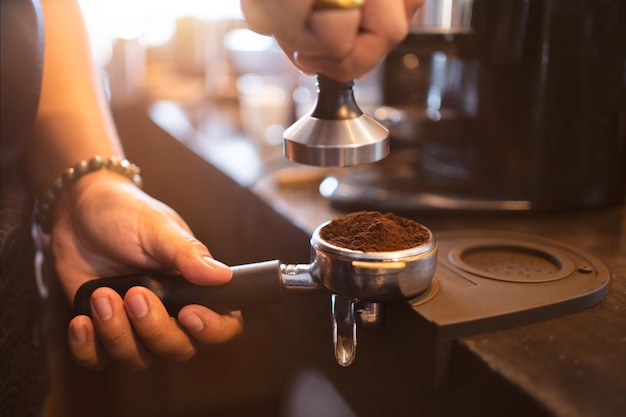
x=251, y=285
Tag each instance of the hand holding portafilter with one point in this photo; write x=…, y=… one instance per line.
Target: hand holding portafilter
x=336, y=132
x=352, y=276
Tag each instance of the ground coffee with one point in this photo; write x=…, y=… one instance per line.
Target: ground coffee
x=372, y=231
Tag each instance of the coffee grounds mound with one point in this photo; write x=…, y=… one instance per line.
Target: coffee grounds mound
x=372, y=231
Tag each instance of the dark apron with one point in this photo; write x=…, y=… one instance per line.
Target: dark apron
x=23, y=354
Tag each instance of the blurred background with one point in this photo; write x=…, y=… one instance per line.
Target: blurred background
x=189, y=51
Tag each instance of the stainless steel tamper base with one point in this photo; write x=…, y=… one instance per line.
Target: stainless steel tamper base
x=336, y=133
x=336, y=143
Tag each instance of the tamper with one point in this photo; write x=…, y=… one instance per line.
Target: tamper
x=336, y=133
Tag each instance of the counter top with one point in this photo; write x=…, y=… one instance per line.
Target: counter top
x=572, y=365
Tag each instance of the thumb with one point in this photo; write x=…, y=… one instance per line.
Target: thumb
x=175, y=247
x=197, y=265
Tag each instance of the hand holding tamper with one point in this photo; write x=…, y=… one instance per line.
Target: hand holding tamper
x=336, y=133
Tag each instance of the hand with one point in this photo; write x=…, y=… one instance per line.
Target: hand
x=106, y=226
x=342, y=44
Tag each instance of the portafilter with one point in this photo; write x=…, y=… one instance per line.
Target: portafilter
x=354, y=278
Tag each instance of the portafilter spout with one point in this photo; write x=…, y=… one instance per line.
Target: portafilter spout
x=336, y=133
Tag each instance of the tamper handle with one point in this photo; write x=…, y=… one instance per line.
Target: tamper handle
x=335, y=100
x=252, y=285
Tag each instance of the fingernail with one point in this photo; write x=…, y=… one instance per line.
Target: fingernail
x=103, y=308
x=78, y=334
x=213, y=263
x=192, y=322
x=137, y=305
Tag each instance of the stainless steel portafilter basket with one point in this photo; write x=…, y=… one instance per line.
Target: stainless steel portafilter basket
x=336, y=133
x=353, y=277
x=364, y=280
x=378, y=277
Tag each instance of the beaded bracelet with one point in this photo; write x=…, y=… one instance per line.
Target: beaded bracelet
x=71, y=175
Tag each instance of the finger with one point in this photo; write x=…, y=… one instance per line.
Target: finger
x=84, y=345
x=387, y=21
x=157, y=330
x=412, y=6
x=346, y=69
x=330, y=33
x=268, y=16
x=383, y=25
x=367, y=54
x=209, y=327
x=173, y=245
x=115, y=331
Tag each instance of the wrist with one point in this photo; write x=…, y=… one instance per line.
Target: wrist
x=77, y=176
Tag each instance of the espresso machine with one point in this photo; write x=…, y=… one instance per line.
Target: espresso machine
x=500, y=105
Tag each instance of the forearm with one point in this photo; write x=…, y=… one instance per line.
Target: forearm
x=73, y=121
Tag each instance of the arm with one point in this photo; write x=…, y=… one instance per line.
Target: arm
x=343, y=44
x=103, y=224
